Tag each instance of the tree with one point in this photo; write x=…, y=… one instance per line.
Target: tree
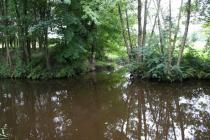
x=124, y=31
x=169, y=40
x=183, y=43
x=145, y=23
x=5, y=14
x=139, y=57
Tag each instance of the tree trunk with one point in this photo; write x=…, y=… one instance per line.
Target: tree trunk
x=156, y=17
x=155, y=21
x=124, y=32
x=139, y=55
x=177, y=28
x=21, y=30
x=28, y=46
x=25, y=32
x=169, y=41
x=92, y=58
x=183, y=43
x=145, y=24
x=160, y=36
x=46, y=50
x=47, y=55
x=34, y=44
x=8, y=57
x=128, y=28
x=9, y=62
x=40, y=41
x=18, y=23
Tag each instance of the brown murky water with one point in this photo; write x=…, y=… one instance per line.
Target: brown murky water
x=103, y=107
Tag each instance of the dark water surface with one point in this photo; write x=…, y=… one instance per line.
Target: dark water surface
x=104, y=107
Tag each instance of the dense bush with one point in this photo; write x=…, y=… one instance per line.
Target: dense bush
x=195, y=65
x=64, y=63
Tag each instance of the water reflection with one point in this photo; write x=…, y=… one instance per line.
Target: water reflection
x=104, y=107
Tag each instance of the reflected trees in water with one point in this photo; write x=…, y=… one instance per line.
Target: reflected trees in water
x=98, y=109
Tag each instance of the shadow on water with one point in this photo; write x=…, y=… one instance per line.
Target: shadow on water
x=104, y=106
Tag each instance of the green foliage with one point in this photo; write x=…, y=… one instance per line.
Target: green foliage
x=19, y=69
x=76, y=27
x=35, y=72
x=5, y=71
x=67, y=35
x=195, y=65
x=153, y=66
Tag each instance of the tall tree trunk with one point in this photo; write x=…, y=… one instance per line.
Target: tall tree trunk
x=34, y=44
x=19, y=40
x=28, y=46
x=40, y=42
x=160, y=36
x=47, y=55
x=128, y=28
x=156, y=17
x=21, y=30
x=145, y=24
x=155, y=21
x=3, y=45
x=139, y=55
x=169, y=41
x=34, y=37
x=124, y=32
x=92, y=58
x=183, y=43
x=177, y=28
x=46, y=50
x=8, y=57
x=25, y=32
x=9, y=61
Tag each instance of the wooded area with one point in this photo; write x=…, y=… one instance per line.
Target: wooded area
x=62, y=38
